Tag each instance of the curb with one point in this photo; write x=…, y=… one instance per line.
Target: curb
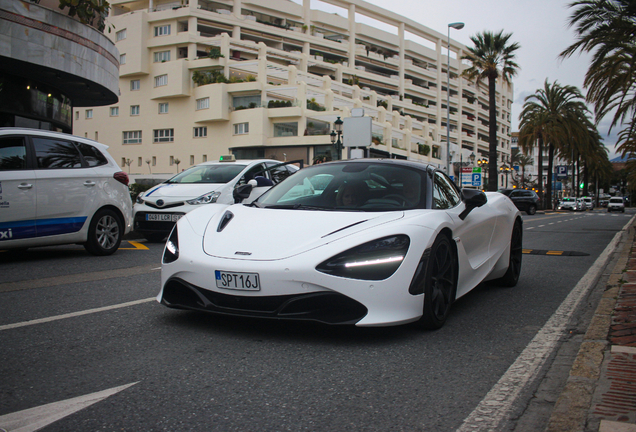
x=573, y=406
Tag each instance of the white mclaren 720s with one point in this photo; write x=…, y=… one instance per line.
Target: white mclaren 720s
x=362, y=242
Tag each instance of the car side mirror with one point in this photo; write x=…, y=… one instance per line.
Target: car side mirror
x=472, y=198
x=242, y=192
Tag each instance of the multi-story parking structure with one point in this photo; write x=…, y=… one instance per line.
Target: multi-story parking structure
x=268, y=78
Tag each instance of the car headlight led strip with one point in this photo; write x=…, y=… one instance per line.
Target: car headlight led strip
x=374, y=260
x=171, y=251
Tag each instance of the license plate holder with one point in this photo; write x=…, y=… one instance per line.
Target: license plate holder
x=162, y=217
x=237, y=280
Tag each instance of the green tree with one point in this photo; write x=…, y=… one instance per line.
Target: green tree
x=607, y=30
x=492, y=57
x=556, y=116
x=92, y=12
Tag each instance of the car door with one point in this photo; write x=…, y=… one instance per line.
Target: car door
x=17, y=190
x=67, y=191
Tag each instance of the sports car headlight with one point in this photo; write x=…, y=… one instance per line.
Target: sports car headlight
x=375, y=260
x=171, y=252
x=208, y=198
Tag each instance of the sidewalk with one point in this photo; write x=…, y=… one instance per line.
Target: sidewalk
x=600, y=394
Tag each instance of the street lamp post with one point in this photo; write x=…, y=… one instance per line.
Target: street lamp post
x=337, y=132
x=505, y=169
x=456, y=26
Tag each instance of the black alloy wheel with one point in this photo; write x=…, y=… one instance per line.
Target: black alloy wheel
x=532, y=209
x=440, y=283
x=511, y=277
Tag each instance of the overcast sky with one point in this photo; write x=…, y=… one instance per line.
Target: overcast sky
x=539, y=26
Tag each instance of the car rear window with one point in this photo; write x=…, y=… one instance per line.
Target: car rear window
x=92, y=156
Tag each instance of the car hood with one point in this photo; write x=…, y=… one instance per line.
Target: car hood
x=180, y=191
x=271, y=234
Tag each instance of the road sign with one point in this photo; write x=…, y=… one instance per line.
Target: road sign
x=561, y=172
x=471, y=176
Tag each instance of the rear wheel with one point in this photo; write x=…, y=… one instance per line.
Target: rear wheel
x=532, y=209
x=104, y=233
x=511, y=277
x=440, y=283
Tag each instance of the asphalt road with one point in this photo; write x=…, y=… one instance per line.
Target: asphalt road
x=196, y=372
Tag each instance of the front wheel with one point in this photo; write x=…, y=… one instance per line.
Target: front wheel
x=440, y=283
x=511, y=277
x=104, y=233
x=531, y=210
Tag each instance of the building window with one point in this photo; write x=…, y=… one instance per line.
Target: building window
x=121, y=34
x=163, y=108
x=139, y=161
x=285, y=129
x=182, y=52
x=191, y=159
x=162, y=30
x=114, y=111
x=89, y=114
x=154, y=161
x=204, y=158
x=161, y=80
x=76, y=115
x=122, y=59
x=162, y=56
x=96, y=136
x=171, y=160
x=163, y=135
x=241, y=128
x=203, y=103
x=134, y=110
x=200, y=132
x=135, y=85
x=132, y=137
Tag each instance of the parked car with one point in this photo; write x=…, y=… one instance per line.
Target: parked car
x=57, y=189
x=525, y=200
x=384, y=242
x=159, y=208
x=569, y=203
x=616, y=204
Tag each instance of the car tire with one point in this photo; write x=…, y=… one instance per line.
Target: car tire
x=156, y=237
x=531, y=210
x=511, y=277
x=440, y=283
x=105, y=233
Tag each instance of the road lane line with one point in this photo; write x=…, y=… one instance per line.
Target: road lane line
x=498, y=403
x=75, y=314
x=74, y=278
x=34, y=419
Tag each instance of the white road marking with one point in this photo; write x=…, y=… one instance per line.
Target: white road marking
x=497, y=405
x=541, y=226
x=33, y=419
x=75, y=314
x=529, y=228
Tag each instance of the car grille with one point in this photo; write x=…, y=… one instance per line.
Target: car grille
x=166, y=206
x=325, y=307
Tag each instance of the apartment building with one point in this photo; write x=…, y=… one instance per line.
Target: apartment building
x=268, y=78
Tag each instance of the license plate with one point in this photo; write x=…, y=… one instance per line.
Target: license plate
x=237, y=281
x=163, y=217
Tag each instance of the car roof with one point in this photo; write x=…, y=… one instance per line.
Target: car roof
x=51, y=134
x=240, y=162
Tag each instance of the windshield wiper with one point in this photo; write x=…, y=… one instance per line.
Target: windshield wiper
x=297, y=206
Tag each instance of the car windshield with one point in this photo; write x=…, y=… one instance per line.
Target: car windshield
x=353, y=186
x=217, y=173
x=616, y=200
x=568, y=200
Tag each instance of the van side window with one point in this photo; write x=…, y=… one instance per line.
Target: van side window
x=51, y=153
x=92, y=156
x=12, y=154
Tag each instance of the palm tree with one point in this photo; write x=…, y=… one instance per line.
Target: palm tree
x=607, y=29
x=492, y=57
x=519, y=158
x=554, y=115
